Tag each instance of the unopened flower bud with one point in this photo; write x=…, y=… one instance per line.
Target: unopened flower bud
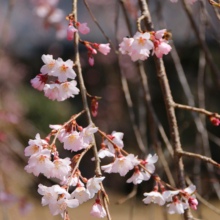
x=214, y=120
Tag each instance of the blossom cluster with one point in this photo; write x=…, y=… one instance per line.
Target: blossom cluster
x=178, y=200
x=138, y=47
x=44, y=158
x=61, y=89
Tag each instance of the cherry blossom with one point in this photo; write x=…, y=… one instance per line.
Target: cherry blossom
x=149, y=162
x=39, y=81
x=116, y=137
x=93, y=185
x=83, y=29
x=98, y=210
x=52, y=91
x=125, y=45
x=49, y=64
x=35, y=146
x=73, y=142
x=154, y=197
x=168, y=195
x=50, y=194
x=137, y=177
x=68, y=89
x=81, y=193
x=176, y=207
x=61, y=168
x=61, y=204
x=141, y=46
x=104, y=48
x=40, y=163
x=87, y=133
x=64, y=70
x=122, y=165
x=104, y=153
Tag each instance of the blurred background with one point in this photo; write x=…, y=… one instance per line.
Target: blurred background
x=27, y=32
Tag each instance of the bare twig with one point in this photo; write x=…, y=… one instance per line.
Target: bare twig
x=95, y=20
x=194, y=109
x=198, y=156
x=77, y=164
x=139, y=22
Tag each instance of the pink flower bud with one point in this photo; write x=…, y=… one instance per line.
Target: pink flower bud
x=214, y=121
x=94, y=106
x=83, y=29
x=104, y=48
x=70, y=32
x=193, y=203
x=91, y=61
x=97, y=210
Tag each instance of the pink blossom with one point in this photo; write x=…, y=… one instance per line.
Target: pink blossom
x=161, y=49
x=116, y=137
x=83, y=29
x=62, y=133
x=125, y=45
x=64, y=70
x=52, y=91
x=93, y=185
x=39, y=163
x=168, y=195
x=73, y=142
x=61, y=168
x=70, y=32
x=49, y=65
x=68, y=89
x=122, y=165
x=159, y=34
x=154, y=197
x=176, y=207
x=98, y=210
x=104, y=153
x=149, y=162
x=87, y=133
x=39, y=81
x=81, y=194
x=136, y=178
x=50, y=194
x=104, y=48
x=35, y=146
x=59, y=206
